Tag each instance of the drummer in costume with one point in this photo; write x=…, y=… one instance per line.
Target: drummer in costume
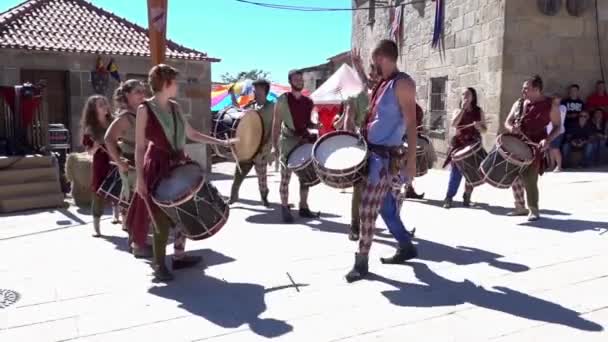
x=392, y=115
x=95, y=120
x=292, y=119
x=120, y=140
x=160, y=137
x=469, y=124
x=529, y=118
x=261, y=160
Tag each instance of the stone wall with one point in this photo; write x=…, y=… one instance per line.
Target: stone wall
x=194, y=80
x=312, y=75
x=562, y=49
x=470, y=57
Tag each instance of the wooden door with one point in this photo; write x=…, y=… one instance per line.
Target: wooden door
x=55, y=93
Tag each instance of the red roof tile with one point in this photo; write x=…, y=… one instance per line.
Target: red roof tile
x=78, y=26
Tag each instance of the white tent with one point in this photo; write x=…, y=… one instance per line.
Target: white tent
x=344, y=83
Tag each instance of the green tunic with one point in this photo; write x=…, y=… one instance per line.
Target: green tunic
x=287, y=140
x=175, y=131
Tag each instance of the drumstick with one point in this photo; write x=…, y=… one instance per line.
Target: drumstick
x=473, y=124
x=236, y=159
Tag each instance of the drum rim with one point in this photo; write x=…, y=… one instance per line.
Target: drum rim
x=214, y=230
x=347, y=171
x=476, y=147
x=506, y=155
x=303, y=165
x=260, y=144
x=184, y=199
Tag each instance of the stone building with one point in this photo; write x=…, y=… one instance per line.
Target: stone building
x=316, y=75
x=60, y=41
x=491, y=45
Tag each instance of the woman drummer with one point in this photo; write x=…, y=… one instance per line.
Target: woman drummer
x=160, y=136
x=95, y=120
x=120, y=140
x=469, y=123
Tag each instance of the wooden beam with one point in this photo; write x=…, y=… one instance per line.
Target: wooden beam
x=157, y=28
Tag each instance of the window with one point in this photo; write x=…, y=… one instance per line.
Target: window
x=437, y=106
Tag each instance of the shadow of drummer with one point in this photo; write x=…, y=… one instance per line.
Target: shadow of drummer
x=226, y=304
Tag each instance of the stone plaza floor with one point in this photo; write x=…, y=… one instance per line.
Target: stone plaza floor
x=480, y=275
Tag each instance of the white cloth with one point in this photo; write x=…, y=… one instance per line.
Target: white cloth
x=562, y=112
x=344, y=83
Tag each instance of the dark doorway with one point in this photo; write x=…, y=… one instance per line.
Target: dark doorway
x=55, y=93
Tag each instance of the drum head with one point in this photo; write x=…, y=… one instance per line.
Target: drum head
x=182, y=182
x=299, y=156
x=516, y=148
x=249, y=132
x=340, y=152
x=465, y=151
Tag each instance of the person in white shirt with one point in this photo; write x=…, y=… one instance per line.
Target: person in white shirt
x=555, y=146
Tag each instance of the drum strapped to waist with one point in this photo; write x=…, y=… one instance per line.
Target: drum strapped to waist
x=340, y=158
x=468, y=159
x=299, y=161
x=506, y=161
x=191, y=202
x=111, y=189
x=422, y=163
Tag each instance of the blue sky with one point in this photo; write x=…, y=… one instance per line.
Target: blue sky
x=246, y=36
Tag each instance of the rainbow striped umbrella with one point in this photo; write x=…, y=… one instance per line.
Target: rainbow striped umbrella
x=220, y=98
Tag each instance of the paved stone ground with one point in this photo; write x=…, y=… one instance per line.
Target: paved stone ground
x=480, y=276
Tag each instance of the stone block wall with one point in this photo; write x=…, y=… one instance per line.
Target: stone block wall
x=563, y=49
x=471, y=55
x=194, y=84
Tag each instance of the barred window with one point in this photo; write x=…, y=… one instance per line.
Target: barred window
x=438, y=107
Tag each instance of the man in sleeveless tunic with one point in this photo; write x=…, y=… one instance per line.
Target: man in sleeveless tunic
x=292, y=119
x=392, y=115
x=260, y=161
x=529, y=118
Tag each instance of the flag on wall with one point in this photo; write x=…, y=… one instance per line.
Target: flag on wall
x=395, y=29
x=113, y=70
x=438, y=27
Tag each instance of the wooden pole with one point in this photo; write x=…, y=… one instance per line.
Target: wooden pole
x=157, y=28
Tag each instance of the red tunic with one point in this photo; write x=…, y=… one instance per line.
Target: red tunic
x=533, y=122
x=300, y=109
x=466, y=136
x=101, y=162
x=158, y=160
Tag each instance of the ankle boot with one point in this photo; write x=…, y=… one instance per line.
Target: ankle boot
x=447, y=203
x=405, y=252
x=96, y=224
x=264, y=196
x=354, y=232
x=286, y=214
x=360, y=269
x=466, y=200
x=411, y=193
x=161, y=273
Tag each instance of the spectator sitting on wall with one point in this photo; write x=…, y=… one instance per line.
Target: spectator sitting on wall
x=599, y=99
x=574, y=106
x=555, y=146
x=578, y=139
x=599, y=129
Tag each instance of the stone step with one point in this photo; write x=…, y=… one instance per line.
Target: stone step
x=22, y=176
x=25, y=162
x=21, y=203
x=29, y=189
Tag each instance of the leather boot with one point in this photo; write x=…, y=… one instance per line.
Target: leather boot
x=161, y=273
x=404, y=252
x=447, y=203
x=354, y=231
x=96, y=224
x=264, y=196
x=466, y=200
x=286, y=214
x=359, y=270
x=411, y=193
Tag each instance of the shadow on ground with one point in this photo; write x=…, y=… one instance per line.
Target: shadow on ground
x=226, y=304
x=439, y=291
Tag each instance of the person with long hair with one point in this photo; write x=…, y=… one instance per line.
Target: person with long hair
x=96, y=118
x=160, y=137
x=469, y=123
x=120, y=141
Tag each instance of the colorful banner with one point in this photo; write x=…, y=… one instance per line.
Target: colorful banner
x=243, y=90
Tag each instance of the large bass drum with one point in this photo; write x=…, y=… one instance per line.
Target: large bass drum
x=340, y=158
x=191, y=202
x=246, y=125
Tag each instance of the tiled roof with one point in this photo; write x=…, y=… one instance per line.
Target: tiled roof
x=78, y=26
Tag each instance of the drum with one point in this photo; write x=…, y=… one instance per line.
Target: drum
x=468, y=159
x=422, y=164
x=340, y=158
x=299, y=160
x=191, y=202
x=247, y=126
x=111, y=188
x=507, y=159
